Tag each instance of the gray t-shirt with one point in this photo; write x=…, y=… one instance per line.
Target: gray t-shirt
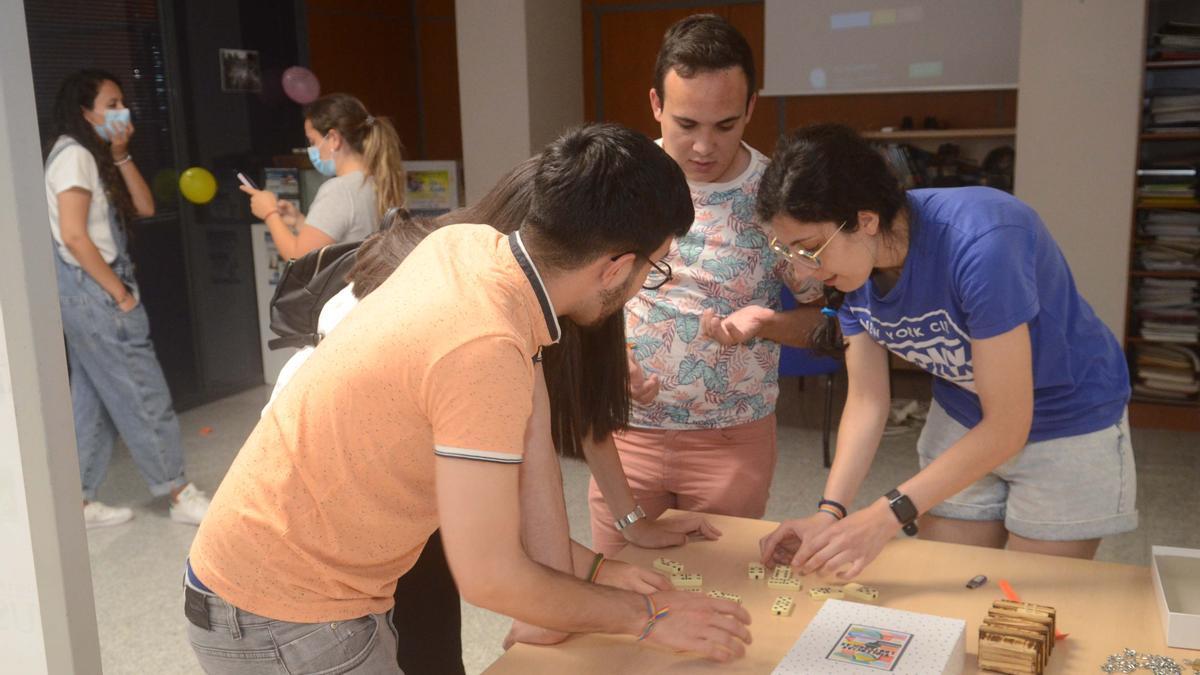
x=345, y=208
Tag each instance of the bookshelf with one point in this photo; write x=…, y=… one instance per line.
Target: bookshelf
x=1163, y=328
x=939, y=134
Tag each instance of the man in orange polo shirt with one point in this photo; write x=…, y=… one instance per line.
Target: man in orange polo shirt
x=412, y=416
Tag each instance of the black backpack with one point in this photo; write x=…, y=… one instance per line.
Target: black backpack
x=305, y=285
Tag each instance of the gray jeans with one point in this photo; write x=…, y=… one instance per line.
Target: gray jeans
x=240, y=643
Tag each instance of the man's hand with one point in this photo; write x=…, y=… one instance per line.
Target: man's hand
x=744, y=324
x=632, y=578
x=641, y=388
x=716, y=629
x=669, y=531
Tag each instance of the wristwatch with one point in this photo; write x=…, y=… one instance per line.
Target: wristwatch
x=630, y=518
x=904, y=510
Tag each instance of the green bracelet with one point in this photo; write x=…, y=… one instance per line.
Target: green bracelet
x=596, y=562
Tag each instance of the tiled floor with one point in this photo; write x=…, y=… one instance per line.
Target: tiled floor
x=136, y=567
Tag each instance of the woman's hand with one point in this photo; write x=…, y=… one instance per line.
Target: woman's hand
x=289, y=214
x=119, y=134
x=846, y=547
x=641, y=388
x=127, y=302
x=737, y=328
x=669, y=531
x=262, y=203
x=780, y=547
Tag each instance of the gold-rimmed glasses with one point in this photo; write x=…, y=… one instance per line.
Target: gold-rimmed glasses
x=810, y=259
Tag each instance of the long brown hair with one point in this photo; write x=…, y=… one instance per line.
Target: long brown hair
x=78, y=92
x=586, y=372
x=372, y=137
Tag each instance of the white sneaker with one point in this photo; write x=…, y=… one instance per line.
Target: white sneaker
x=190, y=506
x=97, y=514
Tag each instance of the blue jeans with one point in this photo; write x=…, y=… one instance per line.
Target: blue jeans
x=238, y=642
x=117, y=384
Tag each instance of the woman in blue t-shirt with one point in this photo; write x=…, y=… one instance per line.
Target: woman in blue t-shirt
x=1026, y=443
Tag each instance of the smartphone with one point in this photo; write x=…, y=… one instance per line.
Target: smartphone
x=246, y=181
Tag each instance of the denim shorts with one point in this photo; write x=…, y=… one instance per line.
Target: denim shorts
x=1063, y=489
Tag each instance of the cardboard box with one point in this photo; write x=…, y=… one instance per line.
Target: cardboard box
x=1177, y=588
x=857, y=639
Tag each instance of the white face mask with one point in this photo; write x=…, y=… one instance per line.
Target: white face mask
x=113, y=121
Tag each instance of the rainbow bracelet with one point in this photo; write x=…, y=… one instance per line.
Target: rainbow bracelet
x=655, y=617
x=597, y=562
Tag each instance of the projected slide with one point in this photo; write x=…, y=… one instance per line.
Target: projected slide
x=848, y=46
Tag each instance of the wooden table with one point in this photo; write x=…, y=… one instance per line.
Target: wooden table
x=1104, y=607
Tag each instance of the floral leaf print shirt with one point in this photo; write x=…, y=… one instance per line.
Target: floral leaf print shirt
x=725, y=263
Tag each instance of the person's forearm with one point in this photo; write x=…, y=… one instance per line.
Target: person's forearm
x=791, y=327
x=139, y=191
x=858, y=438
x=90, y=260
x=285, y=240
x=605, y=464
x=560, y=602
x=545, y=531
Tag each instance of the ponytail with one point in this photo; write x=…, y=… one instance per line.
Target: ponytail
x=383, y=153
x=826, y=338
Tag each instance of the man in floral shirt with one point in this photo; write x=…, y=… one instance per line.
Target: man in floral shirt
x=710, y=336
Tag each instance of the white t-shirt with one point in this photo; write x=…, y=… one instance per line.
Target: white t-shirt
x=72, y=166
x=345, y=208
x=332, y=313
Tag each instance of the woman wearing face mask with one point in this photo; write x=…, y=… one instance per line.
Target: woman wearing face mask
x=362, y=155
x=1026, y=444
x=93, y=190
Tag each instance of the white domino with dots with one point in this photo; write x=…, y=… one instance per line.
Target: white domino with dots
x=781, y=578
x=687, y=580
x=668, y=566
x=755, y=571
x=783, y=606
x=855, y=591
x=825, y=592
x=722, y=595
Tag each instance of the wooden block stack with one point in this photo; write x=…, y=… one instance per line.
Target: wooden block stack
x=1016, y=638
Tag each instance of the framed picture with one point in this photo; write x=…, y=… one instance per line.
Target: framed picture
x=432, y=187
x=241, y=71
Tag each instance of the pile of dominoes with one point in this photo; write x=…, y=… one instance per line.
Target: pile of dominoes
x=1016, y=638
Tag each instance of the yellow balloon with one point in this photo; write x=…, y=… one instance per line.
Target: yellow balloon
x=198, y=185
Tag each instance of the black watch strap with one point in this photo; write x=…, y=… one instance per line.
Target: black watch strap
x=904, y=510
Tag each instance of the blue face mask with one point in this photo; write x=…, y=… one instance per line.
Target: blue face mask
x=323, y=166
x=112, y=119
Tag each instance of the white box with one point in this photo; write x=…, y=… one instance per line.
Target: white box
x=858, y=639
x=1177, y=588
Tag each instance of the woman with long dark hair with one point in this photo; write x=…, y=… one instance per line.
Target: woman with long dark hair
x=94, y=191
x=361, y=155
x=1027, y=441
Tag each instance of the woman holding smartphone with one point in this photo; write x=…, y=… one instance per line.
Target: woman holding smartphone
x=93, y=191
x=361, y=154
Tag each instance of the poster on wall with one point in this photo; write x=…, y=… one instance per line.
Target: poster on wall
x=241, y=71
x=432, y=187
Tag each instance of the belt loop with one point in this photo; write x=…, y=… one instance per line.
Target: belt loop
x=235, y=629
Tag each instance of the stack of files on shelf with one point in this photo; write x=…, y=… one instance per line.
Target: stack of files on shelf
x=1172, y=224
x=1166, y=372
x=1176, y=40
x=1167, y=187
x=1172, y=110
x=1168, y=310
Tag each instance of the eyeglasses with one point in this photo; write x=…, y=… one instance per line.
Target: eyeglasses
x=810, y=259
x=659, y=274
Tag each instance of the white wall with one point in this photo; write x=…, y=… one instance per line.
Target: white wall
x=47, y=616
x=1077, y=126
x=520, y=66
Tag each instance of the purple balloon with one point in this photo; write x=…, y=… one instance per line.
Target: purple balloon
x=301, y=85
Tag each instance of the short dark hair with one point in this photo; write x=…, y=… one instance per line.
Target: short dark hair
x=828, y=173
x=604, y=188
x=703, y=43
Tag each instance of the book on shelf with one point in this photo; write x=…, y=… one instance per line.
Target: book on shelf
x=1166, y=372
